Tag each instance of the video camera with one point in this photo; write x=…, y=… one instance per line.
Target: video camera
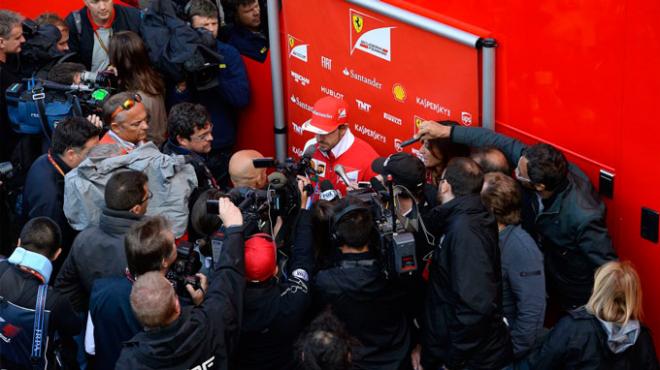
x=183, y=270
x=36, y=106
x=394, y=243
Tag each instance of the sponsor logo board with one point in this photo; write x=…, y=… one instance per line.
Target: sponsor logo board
x=433, y=106
x=300, y=78
x=298, y=49
x=331, y=92
x=363, y=106
x=394, y=119
x=371, y=81
x=399, y=93
x=375, y=135
x=370, y=35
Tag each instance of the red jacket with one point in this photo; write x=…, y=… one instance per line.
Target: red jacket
x=351, y=152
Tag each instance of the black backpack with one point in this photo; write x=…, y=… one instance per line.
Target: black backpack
x=24, y=333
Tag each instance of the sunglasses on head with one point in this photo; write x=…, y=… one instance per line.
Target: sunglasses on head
x=126, y=105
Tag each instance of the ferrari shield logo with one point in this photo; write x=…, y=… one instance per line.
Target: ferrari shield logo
x=292, y=41
x=358, y=22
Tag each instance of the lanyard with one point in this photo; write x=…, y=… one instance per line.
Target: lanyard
x=57, y=167
x=101, y=43
x=34, y=273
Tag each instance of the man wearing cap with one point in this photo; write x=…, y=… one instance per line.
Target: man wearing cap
x=337, y=145
x=275, y=304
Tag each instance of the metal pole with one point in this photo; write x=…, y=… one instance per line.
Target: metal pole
x=419, y=21
x=488, y=83
x=276, y=72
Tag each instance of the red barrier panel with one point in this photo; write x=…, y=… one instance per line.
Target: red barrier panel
x=391, y=74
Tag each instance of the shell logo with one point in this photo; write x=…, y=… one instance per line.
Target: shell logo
x=399, y=93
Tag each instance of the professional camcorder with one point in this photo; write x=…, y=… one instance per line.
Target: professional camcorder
x=183, y=270
x=395, y=245
x=36, y=106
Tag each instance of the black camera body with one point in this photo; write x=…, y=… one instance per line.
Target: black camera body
x=395, y=245
x=183, y=270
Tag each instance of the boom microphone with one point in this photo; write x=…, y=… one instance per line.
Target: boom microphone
x=339, y=169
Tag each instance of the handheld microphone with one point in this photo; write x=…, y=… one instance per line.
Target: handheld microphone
x=309, y=152
x=410, y=141
x=328, y=191
x=339, y=169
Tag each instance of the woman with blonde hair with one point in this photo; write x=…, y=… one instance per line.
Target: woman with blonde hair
x=607, y=332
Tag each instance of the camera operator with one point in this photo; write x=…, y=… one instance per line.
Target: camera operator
x=20, y=277
x=53, y=19
x=275, y=306
x=463, y=325
x=92, y=28
x=66, y=73
x=148, y=247
x=372, y=306
x=98, y=251
x=11, y=40
x=210, y=330
x=127, y=120
x=222, y=101
x=245, y=31
x=242, y=171
x=190, y=133
x=43, y=194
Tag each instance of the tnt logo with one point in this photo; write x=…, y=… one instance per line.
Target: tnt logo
x=466, y=118
x=363, y=106
x=297, y=128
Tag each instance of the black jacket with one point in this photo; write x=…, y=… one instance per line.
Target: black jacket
x=463, y=325
x=274, y=311
x=253, y=45
x=571, y=230
x=579, y=342
x=372, y=308
x=126, y=19
x=205, y=179
x=20, y=288
x=96, y=252
x=201, y=335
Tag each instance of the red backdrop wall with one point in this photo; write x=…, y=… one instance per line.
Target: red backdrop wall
x=581, y=75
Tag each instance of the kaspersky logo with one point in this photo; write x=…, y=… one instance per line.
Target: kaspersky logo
x=370, y=35
x=297, y=48
x=364, y=130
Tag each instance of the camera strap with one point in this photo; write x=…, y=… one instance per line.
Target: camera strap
x=38, y=97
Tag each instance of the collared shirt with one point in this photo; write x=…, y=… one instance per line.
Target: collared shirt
x=126, y=145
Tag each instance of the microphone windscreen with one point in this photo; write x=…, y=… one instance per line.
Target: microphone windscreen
x=277, y=180
x=326, y=185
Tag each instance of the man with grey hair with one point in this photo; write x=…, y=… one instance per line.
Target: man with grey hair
x=127, y=119
x=11, y=40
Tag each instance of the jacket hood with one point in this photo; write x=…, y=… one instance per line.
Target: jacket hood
x=620, y=338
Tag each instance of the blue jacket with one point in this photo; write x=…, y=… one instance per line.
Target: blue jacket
x=113, y=318
x=252, y=45
x=224, y=100
x=43, y=195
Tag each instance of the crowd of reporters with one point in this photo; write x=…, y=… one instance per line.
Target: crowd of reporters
x=162, y=248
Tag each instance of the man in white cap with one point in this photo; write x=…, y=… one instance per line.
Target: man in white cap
x=336, y=145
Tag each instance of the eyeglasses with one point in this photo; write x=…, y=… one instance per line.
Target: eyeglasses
x=126, y=105
x=206, y=137
x=149, y=196
x=519, y=176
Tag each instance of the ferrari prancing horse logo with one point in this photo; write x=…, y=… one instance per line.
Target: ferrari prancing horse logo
x=358, y=22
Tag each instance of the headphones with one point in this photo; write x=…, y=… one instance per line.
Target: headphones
x=336, y=218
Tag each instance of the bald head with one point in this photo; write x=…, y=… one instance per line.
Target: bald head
x=243, y=172
x=491, y=160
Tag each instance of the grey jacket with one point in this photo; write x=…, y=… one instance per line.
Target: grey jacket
x=523, y=285
x=171, y=180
